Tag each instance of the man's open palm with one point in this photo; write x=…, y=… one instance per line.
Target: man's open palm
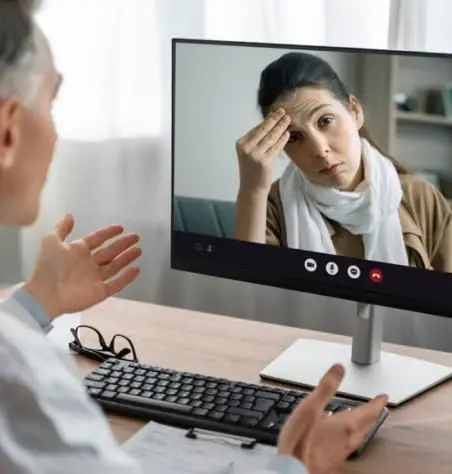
x=71, y=277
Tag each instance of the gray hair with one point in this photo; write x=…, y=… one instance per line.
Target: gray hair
x=24, y=53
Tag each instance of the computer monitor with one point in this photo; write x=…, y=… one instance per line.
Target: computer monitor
x=320, y=170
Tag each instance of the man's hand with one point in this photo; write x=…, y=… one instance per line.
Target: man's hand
x=324, y=442
x=71, y=277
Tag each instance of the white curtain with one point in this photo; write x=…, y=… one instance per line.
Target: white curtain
x=421, y=25
x=113, y=115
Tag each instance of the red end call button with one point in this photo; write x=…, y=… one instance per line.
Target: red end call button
x=376, y=275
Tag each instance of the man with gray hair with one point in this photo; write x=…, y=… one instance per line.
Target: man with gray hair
x=48, y=423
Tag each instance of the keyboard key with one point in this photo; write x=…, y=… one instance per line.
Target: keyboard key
x=108, y=395
x=288, y=399
x=234, y=403
x=95, y=377
x=246, y=406
x=102, y=371
x=231, y=418
x=94, y=391
x=113, y=380
x=94, y=384
x=249, y=422
x=263, y=404
x=283, y=406
x=157, y=404
x=246, y=413
x=269, y=395
x=216, y=415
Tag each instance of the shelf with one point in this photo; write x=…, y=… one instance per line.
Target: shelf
x=422, y=118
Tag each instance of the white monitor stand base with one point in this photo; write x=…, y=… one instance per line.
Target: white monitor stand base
x=369, y=372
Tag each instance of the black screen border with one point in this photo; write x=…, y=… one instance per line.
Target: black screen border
x=280, y=268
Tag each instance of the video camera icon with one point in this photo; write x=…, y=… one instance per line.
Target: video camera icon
x=310, y=265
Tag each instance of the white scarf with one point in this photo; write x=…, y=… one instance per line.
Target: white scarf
x=371, y=211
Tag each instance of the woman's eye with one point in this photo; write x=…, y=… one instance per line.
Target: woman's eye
x=294, y=136
x=324, y=121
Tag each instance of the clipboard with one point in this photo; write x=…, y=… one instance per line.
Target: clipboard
x=166, y=449
x=245, y=443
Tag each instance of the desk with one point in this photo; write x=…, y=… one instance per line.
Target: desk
x=417, y=437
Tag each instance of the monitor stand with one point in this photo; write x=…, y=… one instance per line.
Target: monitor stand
x=369, y=371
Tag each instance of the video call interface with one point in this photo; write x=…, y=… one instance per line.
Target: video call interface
x=338, y=152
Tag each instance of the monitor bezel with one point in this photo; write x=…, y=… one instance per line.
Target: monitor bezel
x=237, y=260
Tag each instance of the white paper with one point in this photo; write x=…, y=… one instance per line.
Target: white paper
x=162, y=449
x=60, y=334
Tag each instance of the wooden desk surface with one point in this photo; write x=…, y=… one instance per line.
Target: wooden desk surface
x=416, y=438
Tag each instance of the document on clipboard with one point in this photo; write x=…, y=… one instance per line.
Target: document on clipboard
x=162, y=449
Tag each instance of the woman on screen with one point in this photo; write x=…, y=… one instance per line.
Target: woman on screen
x=340, y=194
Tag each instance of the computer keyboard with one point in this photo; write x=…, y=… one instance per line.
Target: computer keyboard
x=189, y=400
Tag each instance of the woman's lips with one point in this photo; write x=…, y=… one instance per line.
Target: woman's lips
x=331, y=168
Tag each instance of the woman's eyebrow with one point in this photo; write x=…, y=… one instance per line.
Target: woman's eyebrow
x=315, y=110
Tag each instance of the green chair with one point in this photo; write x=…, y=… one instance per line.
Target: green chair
x=204, y=216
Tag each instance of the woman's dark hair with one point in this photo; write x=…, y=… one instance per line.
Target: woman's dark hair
x=296, y=70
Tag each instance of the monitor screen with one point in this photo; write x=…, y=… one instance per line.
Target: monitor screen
x=323, y=170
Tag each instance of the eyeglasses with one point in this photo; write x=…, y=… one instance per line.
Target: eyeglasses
x=119, y=347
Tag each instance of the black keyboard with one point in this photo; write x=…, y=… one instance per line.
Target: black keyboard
x=190, y=400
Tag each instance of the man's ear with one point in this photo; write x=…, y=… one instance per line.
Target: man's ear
x=10, y=116
x=357, y=112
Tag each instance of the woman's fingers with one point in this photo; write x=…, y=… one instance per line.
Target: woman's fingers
x=265, y=146
x=279, y=146
x=253, y=139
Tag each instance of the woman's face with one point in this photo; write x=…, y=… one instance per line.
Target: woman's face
x=324, y=137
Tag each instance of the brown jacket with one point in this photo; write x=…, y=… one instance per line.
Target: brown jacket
x=425, y=217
